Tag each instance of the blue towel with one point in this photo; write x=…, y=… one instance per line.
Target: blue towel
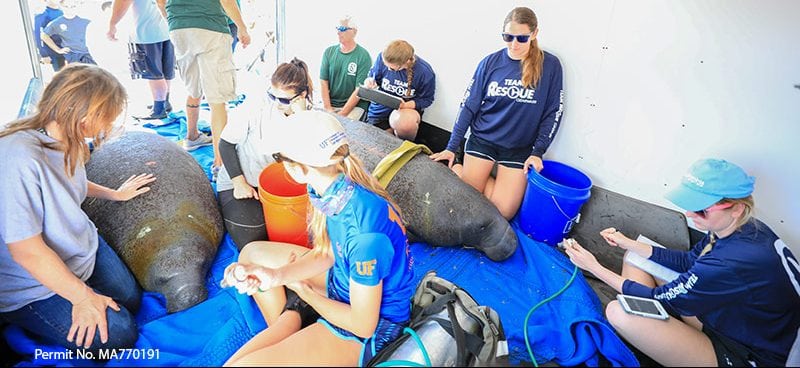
x=569, y=330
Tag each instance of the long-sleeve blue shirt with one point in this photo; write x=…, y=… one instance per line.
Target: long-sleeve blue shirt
x=499, y=109
x=746, y=288
x=423, y=85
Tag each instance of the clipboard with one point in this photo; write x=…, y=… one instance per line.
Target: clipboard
x=381, y=97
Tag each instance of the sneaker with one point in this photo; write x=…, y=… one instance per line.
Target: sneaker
x=152, y=115
x=167, y=107
x=202, y=140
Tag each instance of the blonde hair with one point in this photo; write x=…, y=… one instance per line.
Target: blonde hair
x=533, y=63
x=401, y=52
x=353, y=168
x=749, y=207
x=79, y=94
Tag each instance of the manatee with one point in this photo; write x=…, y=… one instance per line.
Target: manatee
x=168, y=236
x=438, y=207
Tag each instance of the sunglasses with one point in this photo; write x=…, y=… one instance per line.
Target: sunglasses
x=716, y=207
x=343, y=28
x=279, y=158
x=283, y=100
x=508, y=37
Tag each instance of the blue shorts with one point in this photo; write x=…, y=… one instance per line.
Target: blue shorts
x=514, y=158
x=386, y=332
x=152, y=60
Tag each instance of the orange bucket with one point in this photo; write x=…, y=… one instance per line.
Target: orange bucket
x=285, y=204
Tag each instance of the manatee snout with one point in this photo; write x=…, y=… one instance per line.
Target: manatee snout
x=178, y=274
x=496, y=238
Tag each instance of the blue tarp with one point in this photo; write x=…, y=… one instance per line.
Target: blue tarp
x=569, y=330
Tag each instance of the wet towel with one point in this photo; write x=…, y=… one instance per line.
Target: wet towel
x=391, y=164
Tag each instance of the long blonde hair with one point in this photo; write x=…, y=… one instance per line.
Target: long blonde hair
x=401, y=52
x=78, y=94
x=353, y=168
x=533, y=63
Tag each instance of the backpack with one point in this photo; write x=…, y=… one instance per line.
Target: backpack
x=448, y=328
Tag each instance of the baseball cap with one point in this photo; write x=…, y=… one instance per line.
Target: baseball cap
x=707, y=182
x=311, y=138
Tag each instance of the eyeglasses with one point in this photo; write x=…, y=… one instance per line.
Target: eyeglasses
x=716, y=207
x=278, y=157
x=343, y=28
x=283, y=100
x=508, y=37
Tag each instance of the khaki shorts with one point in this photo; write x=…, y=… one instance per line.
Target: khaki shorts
x=205, y=61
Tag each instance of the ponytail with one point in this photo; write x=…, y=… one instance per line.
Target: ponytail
x=402, y=53
x=533, y=63
x=294, y=75
x=353, y=168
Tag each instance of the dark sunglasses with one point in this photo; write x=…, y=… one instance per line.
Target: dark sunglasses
x=283, y=100
x=508, y=37
x=343, y=28
x=278, y=157
x=716, y=207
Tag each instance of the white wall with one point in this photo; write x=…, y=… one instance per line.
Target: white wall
x=650, y=86
x=17, y=70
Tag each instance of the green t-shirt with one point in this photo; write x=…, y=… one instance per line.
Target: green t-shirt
x=344, y=72
x=205, y=14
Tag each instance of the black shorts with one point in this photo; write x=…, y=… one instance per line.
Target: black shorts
x=513, y=158
x=382, y=123
x=729, y=353
x=152, y=60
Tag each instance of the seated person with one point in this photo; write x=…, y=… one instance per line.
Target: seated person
x=737, y=293
x=400, y=72
x=59, y=280
x=358, y=276
x=344, y=66
x=512, y=108
x=246, y=144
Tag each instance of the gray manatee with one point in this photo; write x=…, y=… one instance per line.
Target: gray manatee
x=438, y=207
x=168, y=236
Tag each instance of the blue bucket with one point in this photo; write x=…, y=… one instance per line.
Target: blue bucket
x=553, y=201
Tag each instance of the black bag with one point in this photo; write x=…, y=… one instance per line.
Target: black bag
x=448, y=327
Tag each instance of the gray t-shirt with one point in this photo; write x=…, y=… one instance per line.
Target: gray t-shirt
x=252, y=130
x=38, y=197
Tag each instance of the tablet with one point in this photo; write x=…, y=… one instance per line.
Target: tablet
x=381, y=97
x=644, y=307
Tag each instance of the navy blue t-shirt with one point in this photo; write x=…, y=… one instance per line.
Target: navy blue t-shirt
x=423, y=86
x=370, y=246
x=499, y=109
x=72, y=32
x=746, y=288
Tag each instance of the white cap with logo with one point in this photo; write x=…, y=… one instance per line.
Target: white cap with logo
x=311, y=138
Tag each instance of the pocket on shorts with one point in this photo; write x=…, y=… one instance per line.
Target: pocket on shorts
x=138, y=62
x=226, y=80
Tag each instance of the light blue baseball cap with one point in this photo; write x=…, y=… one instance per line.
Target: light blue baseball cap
x=709, y=181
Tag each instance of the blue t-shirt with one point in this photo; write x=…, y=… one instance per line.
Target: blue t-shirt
x=499, y=109
x=745, y=288
x=423, y=86
x=72, y=32
x=40, y=21
x=370, y=246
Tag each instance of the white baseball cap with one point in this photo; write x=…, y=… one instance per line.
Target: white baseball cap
x=311, y=138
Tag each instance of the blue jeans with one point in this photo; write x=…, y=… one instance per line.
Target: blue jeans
x=51, y=318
